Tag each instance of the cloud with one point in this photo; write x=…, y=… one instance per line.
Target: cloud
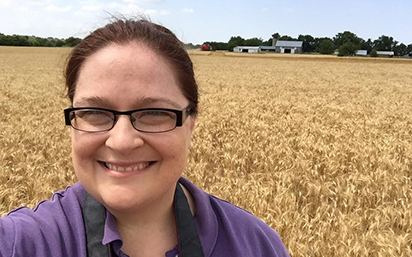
x=265, y=9
x=42, y=2
x=25, y=2
x=188, y=10
x=150, y=11
x=140, y=1
x=164, y=12
x=53, y=8
x=156, y=12
x=91, y=6
x=64, y=19
x=4, y=2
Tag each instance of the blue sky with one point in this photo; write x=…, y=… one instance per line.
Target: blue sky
x=199, y=21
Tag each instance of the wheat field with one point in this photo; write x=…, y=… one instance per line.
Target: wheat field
x=320, y=148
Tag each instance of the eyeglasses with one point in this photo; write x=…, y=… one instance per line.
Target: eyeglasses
x=150, y=120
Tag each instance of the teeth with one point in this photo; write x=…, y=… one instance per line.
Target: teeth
x=131, y=168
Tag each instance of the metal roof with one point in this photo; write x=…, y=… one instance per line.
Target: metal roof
x=247, y=47
x=283, y=43
x=268, y=47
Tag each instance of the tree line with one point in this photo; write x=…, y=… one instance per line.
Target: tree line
x=18, y=40
x=346, y=43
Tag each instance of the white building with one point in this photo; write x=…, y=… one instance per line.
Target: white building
x=385, y=53
x=247, y=49
x=362, y=52
x=288, y=47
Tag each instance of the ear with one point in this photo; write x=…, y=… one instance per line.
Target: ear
x=192, y=124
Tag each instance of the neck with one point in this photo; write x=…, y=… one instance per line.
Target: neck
x=150, y=227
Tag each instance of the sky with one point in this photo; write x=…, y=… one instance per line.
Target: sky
x=199, y=21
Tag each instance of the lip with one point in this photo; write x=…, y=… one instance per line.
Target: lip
x=125, y=166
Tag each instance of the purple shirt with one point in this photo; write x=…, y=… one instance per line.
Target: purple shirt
x=55, y=228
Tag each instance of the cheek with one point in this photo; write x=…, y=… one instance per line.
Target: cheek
x=84, y=146
x=176, y=148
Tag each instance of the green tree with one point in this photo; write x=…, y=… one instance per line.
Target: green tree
x=72, y=41
x=287, y=38
x=347, y=37
x=308, y=43
x=367, y=45
x=41, y=41
x=327, y=46
x=17, y=40
x=2, y=39
x=59, y=43
x=348, y=49
x=254, y=41
x=385, y=43
x=409, y=49
x=276, y=35
x=269, y=42
x=317, y=41
x=235, y=41
x=374, y=53
x=52, y=41
x=400, y=50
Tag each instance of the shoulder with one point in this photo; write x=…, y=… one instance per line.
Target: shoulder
x=51, y=227
x=66, y=201
x=237, y=232
x=245, y=231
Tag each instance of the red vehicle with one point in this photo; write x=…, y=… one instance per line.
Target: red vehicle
x=206, y=47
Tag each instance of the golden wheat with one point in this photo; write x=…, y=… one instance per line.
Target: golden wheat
x=320, y=148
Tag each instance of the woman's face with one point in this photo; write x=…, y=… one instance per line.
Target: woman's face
x=126, y=78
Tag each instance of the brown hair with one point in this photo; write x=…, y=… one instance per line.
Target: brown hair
x=123, y=31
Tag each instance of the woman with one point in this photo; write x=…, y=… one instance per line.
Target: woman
x=134, y=105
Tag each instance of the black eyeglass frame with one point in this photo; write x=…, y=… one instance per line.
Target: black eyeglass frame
x=181, y=116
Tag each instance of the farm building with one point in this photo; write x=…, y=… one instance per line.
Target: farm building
x=247, y=49
x=268, y=48
x=385, y=53
x=288, y=47
x=362, y=52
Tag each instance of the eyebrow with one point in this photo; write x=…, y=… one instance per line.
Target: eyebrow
x=98, y=101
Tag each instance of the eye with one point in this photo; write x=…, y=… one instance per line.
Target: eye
x=94, y=115
x=154, y=116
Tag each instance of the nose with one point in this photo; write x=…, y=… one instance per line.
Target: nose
x=123, y=137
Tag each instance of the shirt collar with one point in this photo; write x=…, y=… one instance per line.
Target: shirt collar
x=111, y=234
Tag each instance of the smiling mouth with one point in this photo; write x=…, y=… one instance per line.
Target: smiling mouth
x=140, y=166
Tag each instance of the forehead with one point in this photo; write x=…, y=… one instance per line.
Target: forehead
x=123, y=74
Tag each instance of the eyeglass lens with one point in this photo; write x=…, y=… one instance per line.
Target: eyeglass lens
x=100, y=120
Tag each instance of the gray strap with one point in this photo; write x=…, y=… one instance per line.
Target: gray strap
x=189, y=242
x=94, y=216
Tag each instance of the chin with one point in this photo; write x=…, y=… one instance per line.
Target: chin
x=142, y=190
